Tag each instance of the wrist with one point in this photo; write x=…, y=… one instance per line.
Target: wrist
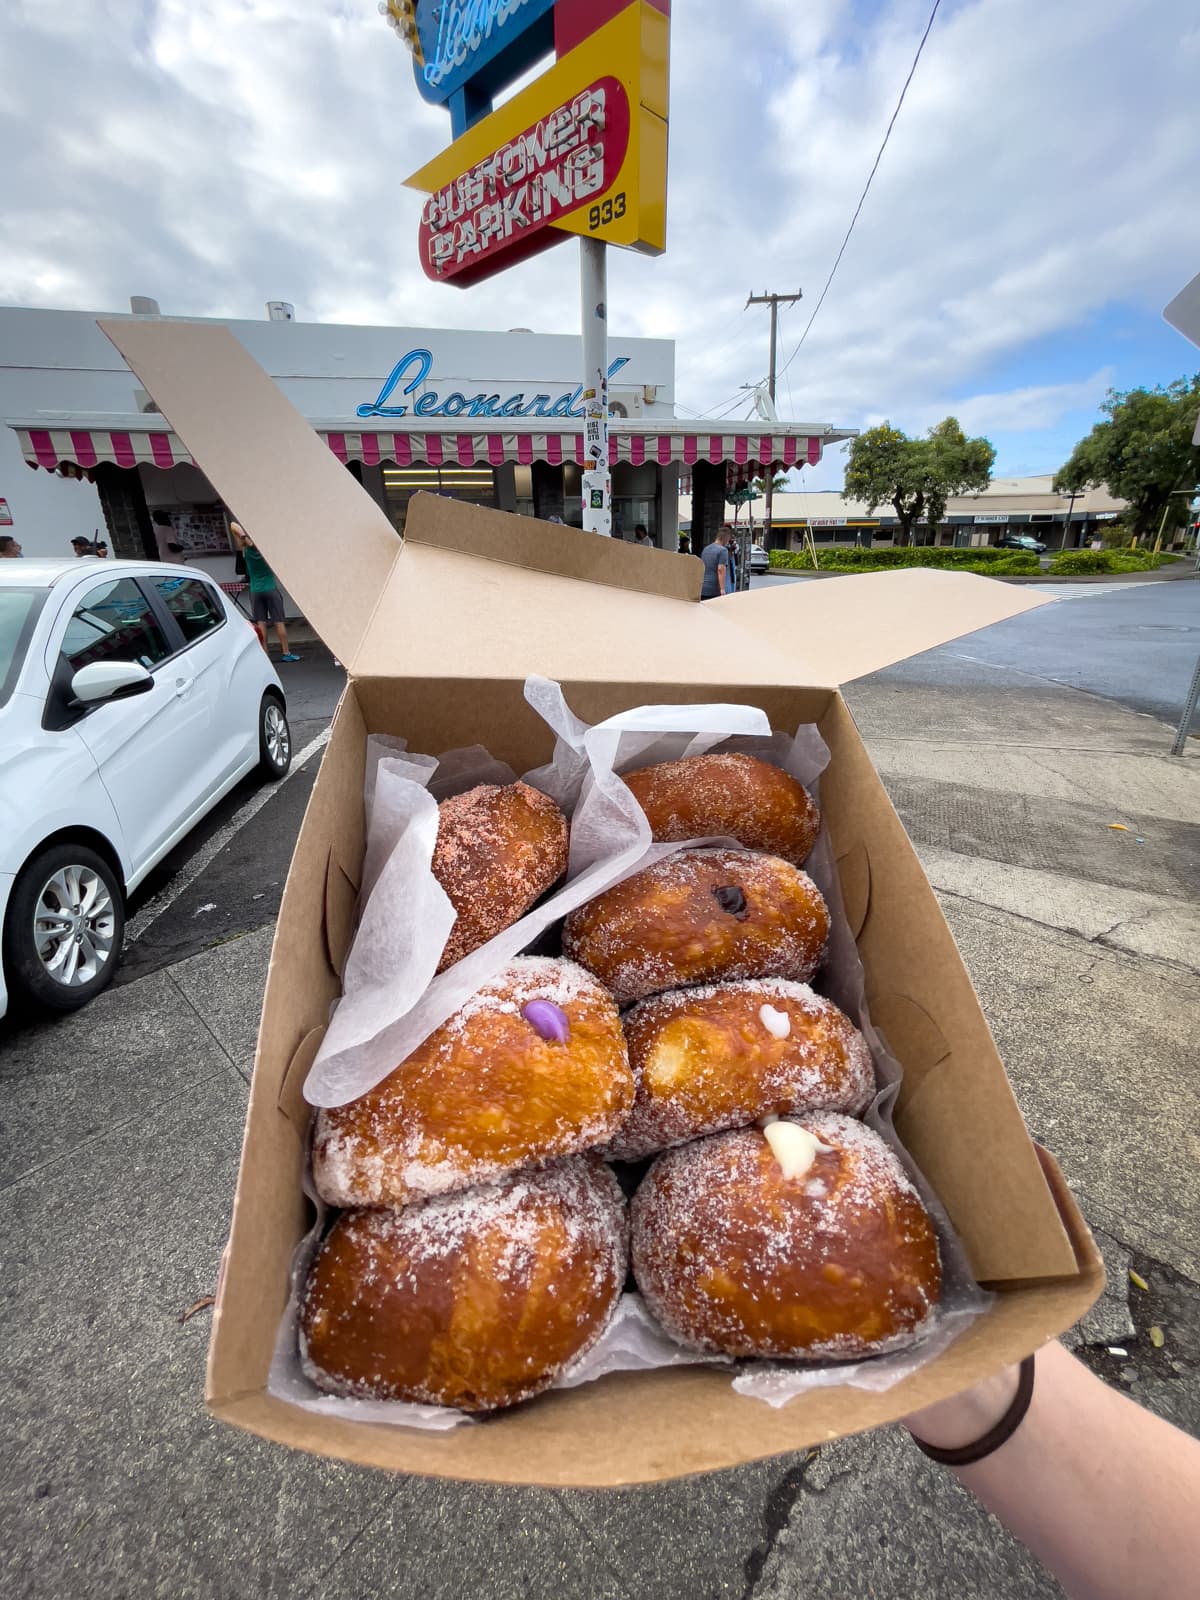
x=951, y=1424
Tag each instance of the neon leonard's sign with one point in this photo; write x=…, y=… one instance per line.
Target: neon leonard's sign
x=474, y=48
x=431, y=404
x=464, y=26
x=547, y=171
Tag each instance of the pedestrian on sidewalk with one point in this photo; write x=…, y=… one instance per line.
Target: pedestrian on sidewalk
x=717, y=570
x=266, y=602
x=82, y=546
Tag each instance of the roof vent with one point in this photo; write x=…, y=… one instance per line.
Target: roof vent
x=142, y=306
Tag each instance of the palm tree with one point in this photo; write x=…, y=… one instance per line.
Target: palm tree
x=778, y=483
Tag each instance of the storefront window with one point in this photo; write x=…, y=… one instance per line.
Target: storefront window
x=476, y=485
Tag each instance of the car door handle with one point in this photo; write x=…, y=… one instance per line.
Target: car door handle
x=182, y=685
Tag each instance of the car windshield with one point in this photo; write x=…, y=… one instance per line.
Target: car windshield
x=18, y=613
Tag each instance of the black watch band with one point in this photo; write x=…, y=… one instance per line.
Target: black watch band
x=967, y=1454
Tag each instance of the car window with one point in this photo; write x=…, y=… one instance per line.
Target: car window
x=192, y=603
x=18, y=613
x=113, y=622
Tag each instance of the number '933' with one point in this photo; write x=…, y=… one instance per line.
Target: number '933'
x=611, y=210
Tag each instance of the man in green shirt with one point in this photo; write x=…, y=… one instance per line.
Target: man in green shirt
x=266, y=602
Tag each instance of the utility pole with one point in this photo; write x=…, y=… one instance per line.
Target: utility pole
x=774, y=301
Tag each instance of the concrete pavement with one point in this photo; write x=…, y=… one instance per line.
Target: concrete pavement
x=122, y=1132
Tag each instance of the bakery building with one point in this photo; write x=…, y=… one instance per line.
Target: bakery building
x=491, y=418
x=1007, y=506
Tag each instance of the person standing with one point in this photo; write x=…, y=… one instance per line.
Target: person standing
x=102, y=550
x=266, y=602
x=715, y=557
x=640, y=535
x=83, y=547
x=9, y=548
x=732, y=550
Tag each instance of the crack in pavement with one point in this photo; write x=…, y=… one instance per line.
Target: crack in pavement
x=1099, y=939
x=777, y=1513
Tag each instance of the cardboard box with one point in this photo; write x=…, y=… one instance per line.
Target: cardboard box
x=439, y=632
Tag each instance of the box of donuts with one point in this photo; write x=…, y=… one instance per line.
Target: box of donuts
x=622, y=1108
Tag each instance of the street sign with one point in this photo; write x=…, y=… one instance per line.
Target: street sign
x=582, y=149
x=1183, y=314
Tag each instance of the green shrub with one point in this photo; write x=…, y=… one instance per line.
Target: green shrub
x=995, y=563
x=1019, y=564
x=1083, y=563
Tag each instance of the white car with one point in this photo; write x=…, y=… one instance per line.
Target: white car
x=133, y=696
x=760, y=560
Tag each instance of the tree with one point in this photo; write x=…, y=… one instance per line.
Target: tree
x=916, y=476
x=1143, y=452
x=778, y=482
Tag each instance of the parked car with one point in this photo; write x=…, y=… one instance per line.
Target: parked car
x=133, y=696
x=760, y=561
x=1020, y=541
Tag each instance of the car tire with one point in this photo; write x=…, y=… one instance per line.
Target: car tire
x=63, y=929
x=274, y=739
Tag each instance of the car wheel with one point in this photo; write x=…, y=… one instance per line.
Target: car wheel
x=64, y=928
x=274, y=738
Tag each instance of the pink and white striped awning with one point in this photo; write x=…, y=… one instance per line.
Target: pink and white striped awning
x=427, y=449
x=54, y=448
x=58, y=448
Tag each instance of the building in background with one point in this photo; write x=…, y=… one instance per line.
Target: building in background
x=490, y=418
x=1007, y=505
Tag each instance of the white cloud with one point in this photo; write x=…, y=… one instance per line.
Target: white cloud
x=219, y=153
x=1011, y=410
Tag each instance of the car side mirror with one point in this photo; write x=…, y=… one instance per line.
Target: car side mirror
x=110, y=680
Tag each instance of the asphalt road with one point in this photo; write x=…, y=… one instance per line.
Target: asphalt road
x=1136, y=644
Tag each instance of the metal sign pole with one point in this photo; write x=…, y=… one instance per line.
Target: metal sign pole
x=1189, y=712
x=597, y=477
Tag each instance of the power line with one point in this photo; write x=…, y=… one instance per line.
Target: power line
x=866, y=189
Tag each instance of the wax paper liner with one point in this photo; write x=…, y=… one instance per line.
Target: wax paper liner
x=584, y=778
x=391, y=999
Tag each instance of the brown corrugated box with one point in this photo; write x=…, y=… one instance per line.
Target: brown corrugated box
x=438, y=633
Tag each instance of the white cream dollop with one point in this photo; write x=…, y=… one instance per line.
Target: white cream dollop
x=794, y=1148
x=777, y=1023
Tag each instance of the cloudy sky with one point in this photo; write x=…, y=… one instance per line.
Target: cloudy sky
x=1038, y=204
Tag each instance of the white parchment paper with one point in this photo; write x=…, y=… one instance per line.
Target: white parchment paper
x=610, y=839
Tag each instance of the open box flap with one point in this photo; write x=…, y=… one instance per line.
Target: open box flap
x=325, y=538
x=838, y=629
x=481, y=594
x=477, y=593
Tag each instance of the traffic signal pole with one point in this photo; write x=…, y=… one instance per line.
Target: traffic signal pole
x=774, y=301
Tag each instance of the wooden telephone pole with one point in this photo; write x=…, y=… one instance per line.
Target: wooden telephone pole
x=774, y=301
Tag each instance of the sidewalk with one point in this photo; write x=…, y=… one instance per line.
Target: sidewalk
x=123, y=1129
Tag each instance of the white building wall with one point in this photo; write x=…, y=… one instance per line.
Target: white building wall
x=56, y=365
